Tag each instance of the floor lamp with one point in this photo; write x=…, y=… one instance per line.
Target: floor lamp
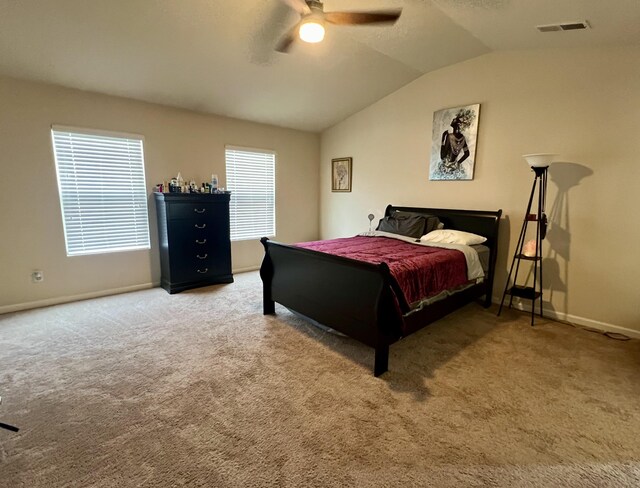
x=532, y=251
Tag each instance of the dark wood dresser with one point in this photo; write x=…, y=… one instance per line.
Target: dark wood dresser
x=195, y=249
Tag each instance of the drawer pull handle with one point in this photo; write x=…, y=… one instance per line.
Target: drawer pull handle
x=201, y=226
x=203, y=241
x=203, y=210
x=201, y=257
x=203, y=272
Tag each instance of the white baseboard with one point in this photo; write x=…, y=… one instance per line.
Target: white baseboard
x=96, y=294
x=519, y=305
x=74, y=298
x=244, y=270
x=574, y=319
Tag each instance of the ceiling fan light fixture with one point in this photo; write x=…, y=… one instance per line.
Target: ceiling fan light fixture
x=311, y=26
x=312, y=31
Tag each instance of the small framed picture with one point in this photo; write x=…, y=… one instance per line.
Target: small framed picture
x=341, y=174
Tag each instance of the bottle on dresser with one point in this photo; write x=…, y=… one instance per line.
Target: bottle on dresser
x=214, y=183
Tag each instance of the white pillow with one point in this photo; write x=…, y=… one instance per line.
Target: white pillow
x=450, y=236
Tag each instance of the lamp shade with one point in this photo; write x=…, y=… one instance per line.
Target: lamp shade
x=540, y=160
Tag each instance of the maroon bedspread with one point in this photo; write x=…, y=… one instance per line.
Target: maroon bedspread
x=421, y=272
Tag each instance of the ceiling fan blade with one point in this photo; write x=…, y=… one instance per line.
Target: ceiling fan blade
x=284, y=44
x=379, y=17
x=299, y=6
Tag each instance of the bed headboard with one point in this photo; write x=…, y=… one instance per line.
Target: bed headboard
x=481, y=222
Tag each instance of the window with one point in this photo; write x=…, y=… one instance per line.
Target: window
x=251, y=180
x=102, y=191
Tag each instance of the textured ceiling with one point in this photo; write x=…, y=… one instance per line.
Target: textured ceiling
x=218, y=57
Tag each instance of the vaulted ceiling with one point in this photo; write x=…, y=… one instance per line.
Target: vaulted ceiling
x=217, y=56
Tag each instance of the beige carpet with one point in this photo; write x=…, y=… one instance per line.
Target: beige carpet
x=200, y=389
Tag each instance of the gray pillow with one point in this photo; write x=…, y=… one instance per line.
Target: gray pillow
x=405, y=225
x=431, y=222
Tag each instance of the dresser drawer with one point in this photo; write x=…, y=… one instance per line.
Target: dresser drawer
x=192, y=268
x=178, y=211
x=194, y=233
x=186, y=249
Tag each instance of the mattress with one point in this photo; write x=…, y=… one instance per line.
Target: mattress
x=483, y=254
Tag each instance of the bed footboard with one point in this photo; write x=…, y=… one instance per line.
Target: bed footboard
x=360, y=294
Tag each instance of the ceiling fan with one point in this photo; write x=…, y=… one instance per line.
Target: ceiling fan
x=310, y=28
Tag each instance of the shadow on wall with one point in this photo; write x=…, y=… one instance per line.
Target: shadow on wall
x=503, y=262
x=556, y=264
x=557, y=243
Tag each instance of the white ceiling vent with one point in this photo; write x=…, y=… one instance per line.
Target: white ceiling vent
x=564, y=27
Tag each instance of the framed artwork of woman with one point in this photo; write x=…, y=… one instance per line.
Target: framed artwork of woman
x=453, y=146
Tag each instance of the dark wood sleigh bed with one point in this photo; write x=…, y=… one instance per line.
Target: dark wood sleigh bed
x=357, y=298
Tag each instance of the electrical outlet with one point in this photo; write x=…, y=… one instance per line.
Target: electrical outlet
x=37, y=276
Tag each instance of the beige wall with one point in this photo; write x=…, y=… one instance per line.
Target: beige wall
x=175, y=140
x=581, y=104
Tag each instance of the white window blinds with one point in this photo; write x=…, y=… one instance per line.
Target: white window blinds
x=102, y=191
x=251, y=180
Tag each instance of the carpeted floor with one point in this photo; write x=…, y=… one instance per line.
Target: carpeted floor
x=200, y=389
